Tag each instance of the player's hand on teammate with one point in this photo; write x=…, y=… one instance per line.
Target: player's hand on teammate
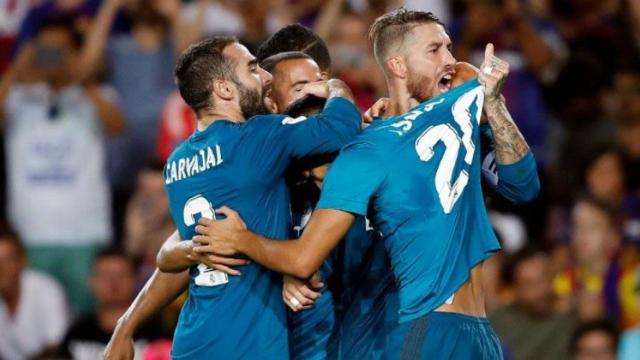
x=493, y=74
x=219, y=236
x=301, y=294
x=377, y=110
x=317, y=88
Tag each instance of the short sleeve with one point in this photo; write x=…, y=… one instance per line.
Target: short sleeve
x=353, y=179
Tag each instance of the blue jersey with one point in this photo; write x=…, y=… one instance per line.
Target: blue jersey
x=242, y=166
x=371, y=311
x=418, y=175
x=313, y=330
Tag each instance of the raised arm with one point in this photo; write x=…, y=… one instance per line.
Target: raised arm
x=510, y=144
x=160, y=290
x=96, y=41
x=328, y=131
x=300, y=258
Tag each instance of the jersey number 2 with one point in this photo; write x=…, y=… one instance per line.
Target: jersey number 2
x=445, y=133
x=200, y=205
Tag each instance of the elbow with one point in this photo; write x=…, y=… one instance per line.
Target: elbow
x=163, y=263
x=303, y=268
x=529, y=192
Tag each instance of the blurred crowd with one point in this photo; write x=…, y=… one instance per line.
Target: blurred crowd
x=90, y=112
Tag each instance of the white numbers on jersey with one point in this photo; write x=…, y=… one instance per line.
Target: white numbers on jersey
x=200, y=205
x=451, y=140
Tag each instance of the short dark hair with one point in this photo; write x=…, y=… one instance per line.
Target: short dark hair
x=387, y=29
x=594, y=326
x=270, y=63
x=198, y=66
x=8, y=234
x=64, y=23
x=296, y=37
x=111, y=252
x=611, y=211
x=513, y=262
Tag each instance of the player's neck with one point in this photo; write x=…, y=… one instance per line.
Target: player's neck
x=401, y=100
x=11, y=297
x=207, y=118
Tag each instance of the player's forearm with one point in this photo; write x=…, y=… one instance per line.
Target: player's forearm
x=160, y=290
x=174, y=257
x=510, y=144
x=338, y=88
x=284, y=256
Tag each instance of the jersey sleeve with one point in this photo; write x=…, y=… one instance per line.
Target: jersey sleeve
x=517, y=182
x=353, y=179
x=323, y=133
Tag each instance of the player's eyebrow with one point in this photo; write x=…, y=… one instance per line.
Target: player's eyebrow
x=434, y=44
x=254, y=61
x=300, y=82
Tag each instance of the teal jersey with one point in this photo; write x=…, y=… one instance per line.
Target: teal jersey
x=418, y=176
x=242, y=166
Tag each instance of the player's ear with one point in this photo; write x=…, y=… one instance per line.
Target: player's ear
x=223, y=89
x=324, y=75
x=396, y=66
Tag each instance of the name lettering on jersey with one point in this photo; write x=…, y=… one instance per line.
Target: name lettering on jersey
x=403, y=126
x=184, y=168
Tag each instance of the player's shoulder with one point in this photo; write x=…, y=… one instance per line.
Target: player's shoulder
x=269, y=123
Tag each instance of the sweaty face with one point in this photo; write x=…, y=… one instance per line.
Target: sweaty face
x=429, y=62
x=250, y=80
x=289, y=78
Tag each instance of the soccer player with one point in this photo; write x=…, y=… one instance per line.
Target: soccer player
x=266, y=145
x=418, y=175
x=241, y=162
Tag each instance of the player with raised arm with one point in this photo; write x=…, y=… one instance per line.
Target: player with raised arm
x=418, y=175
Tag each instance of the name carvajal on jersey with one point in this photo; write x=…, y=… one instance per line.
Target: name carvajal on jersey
x=184, y=168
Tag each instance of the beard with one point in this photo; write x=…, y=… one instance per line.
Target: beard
x=418, y=87
x=251, y=102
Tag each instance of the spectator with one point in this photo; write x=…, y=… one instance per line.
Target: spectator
x=112, y=284
x=55, y=130
x=148, y=222
x=33, y=310
x=353, y=61
x=77, y=12
x=591, y=281
x=139, y=67
x=630, y=341
x=529, y=327
x=597, y=340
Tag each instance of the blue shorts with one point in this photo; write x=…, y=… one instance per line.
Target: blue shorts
x=443, y=335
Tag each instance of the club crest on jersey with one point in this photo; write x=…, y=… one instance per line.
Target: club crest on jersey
x=184, y=168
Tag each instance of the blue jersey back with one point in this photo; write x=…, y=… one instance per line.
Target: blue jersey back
x=418, y=175
x=242, y=166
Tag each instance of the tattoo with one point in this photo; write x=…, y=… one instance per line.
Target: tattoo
x=510, y=144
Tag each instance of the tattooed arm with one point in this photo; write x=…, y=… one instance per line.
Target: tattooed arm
x=509, y=142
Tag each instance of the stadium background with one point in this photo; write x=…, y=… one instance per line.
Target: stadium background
x=570, y=263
